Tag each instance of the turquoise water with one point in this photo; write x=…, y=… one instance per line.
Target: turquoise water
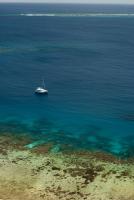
x=85, y=54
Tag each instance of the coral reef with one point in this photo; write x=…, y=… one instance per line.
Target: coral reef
x=40, y=173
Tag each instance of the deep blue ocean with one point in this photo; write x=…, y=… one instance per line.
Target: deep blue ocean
x=85, y=53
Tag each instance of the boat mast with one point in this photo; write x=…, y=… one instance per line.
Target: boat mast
x=43, y=83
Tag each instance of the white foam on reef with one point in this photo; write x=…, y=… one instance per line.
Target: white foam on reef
x=78, y=14
x=34, y=144
x=38, y=15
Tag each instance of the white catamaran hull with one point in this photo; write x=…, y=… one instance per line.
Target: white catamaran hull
x=41, y=91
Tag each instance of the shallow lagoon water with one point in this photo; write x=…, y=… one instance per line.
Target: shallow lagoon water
x=87, y=63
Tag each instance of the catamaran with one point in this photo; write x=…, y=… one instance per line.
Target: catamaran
x=41, y=90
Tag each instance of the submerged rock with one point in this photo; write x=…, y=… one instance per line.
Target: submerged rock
x=128, y=117
x=55, y=149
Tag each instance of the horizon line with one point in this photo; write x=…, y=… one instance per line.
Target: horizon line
x=75, y=3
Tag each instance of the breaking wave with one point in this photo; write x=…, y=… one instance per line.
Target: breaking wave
x=79, y=14
x=73, y=14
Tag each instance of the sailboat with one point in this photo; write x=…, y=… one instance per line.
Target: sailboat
x=41, y=90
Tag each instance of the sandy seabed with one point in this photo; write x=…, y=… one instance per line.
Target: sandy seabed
x=38, y=174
